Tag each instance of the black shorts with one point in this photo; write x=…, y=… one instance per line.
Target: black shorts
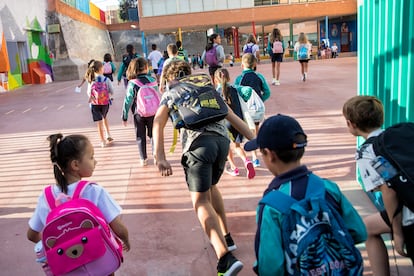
x=277, y=57
x=304, y=60
x=99, y=112
x=235, y=135
x=109, y=76
x=408, y=232
x=213, y=69
x=204, y=162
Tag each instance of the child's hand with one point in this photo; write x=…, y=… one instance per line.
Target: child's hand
x=126, y=246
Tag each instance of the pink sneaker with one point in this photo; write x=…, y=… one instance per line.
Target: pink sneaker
x=232, y=172
x=250, y=169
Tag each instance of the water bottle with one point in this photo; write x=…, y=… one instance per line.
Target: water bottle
x=176, y=118
x=41, y=258
x=384, y=168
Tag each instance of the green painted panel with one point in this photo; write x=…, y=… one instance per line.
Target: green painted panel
x=386, y=52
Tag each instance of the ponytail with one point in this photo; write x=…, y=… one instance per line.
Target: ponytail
x=93, y=68
x=63, y=150
x=223, y=77
x=210, y=43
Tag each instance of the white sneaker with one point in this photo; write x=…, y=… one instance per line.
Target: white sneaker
x=274, y=81
x=143, y=162
x=277, y=82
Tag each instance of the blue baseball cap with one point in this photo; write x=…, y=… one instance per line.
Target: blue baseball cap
x=278, y=132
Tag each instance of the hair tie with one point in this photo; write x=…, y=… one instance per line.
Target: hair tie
x=181, y=74
x=57, y=165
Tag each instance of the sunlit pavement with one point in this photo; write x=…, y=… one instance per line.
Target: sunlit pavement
x=165, y=235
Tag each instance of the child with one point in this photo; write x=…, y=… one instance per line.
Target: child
x=303, y=49
x=155, y=57
x=78, y=88
x=100, y=103
x=161, y=65
x=172, y=51
x=213, y=46
x=126, y=59
x=230, y=95
x=256, y=81
x=204, y=157
x=364, y=117
x=138, y=69
x=276, y=54
x=109, y=67
x=231, y=59
x=73, y=159
x=334, y=50
x=282, y=141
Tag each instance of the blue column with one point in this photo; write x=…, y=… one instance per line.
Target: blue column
x=327, y=31
x=144, y=45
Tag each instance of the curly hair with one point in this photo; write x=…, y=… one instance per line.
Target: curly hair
x=175, y=70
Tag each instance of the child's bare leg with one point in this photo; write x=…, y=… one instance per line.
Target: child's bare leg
x=277, y=70
x=240, y=152
x=106, y=125
x=377, y=252
x=230, y=158
x=100, y=125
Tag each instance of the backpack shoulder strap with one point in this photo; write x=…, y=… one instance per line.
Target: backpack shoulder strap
x=137, y=82
x=278, y=200
x=283, y=202
x=50, y=198
x=79, y=188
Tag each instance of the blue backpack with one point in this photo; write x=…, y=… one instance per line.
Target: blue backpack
x=249, y=49
x=315, y=238
x=303, y=52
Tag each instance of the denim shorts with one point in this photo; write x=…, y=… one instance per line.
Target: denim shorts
x=204, y=162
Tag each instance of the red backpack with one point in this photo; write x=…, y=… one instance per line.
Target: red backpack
x=99, y=92
x=147, y=98
x=77, y=239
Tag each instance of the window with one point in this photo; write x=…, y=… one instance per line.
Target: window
x=183, y=6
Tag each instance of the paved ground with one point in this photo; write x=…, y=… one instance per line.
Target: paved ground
x=165, y=234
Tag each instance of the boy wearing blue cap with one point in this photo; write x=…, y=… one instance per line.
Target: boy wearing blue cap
x=282, y=141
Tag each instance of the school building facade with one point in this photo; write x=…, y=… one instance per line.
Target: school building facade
x=50, y=40
x=334, y=21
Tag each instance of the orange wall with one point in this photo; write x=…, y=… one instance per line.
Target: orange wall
x=4, y=62
x=260, y=15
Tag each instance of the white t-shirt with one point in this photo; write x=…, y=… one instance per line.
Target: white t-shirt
x=155, y=57
x=255, y=48
x=364, y=155
x=95, y=193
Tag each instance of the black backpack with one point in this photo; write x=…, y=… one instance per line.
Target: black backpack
x=126, y=60
x=196, y=103
x=396, y=166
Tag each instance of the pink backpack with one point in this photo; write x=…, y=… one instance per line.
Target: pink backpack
x=147, y=98
x=277, y=47
x=77, y=239
x=107, y=68
x=99, y=92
